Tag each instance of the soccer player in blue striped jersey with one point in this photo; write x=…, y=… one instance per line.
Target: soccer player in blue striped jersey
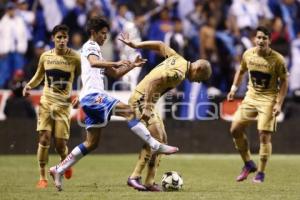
x=97, y=104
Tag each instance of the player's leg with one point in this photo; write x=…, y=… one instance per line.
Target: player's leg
x=266, y=126
x=140, y=129
x=135, y=179
x=158, y=131
x=43, y=157
x=243, y=116
x=44, y=128
x=265, y=152
x=62, y=135
x=240, y=140
x=91, y=143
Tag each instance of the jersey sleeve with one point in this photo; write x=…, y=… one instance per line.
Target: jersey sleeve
x=91, y=49
x=244, y=62
x=282, y=70
x=39, y=74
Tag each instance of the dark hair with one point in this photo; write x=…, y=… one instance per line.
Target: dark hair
x=96, y=23
x=264, y=30
x=59, y=28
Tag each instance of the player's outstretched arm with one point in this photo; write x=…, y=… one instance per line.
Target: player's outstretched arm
x=236, y=83
x=283, y=88
x=95, y=62
x=120, y=71
x=157, y=46
x=36, y=79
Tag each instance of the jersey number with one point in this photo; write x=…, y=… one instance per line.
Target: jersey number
x=57, y=79
x=260, y=80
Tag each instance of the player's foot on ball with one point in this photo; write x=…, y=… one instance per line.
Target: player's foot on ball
x=153, y=188
x=136, y=183
x=247, y=169
x=42, y=184
x=259, y=178
x=166, y=149
x=56, y=177
x=68, y=173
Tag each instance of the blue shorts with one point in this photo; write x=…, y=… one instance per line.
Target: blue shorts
x=98, y=109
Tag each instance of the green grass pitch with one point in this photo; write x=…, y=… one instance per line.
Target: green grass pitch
x=104, y=177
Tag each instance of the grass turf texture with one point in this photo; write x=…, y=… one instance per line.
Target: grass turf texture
x=104, y=177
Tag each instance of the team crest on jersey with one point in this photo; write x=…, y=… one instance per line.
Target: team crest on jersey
x=99, y=99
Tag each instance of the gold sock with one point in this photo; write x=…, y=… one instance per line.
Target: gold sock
x=42, y=157
x=144, y=158
x=152, y=169
x=265, y=152
x=241, y=144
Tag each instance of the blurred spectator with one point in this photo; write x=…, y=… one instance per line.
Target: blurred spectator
x=124, y=23
x=295, y=68
x=13, y=40
x=248, y=13
x=76, y=41
x=76, y=18
x=16, y=105
x=175, y=38
x=280, y=40
x=31, y=67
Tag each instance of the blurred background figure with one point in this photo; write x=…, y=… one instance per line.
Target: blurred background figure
x=124, y=23
x=18, y=106
x=13, y=40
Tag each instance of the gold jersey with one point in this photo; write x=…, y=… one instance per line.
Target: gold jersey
x=168, y=74
x=264, y=73
x=59, y=72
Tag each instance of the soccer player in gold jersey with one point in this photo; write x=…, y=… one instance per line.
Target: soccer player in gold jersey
x=58, y=67
x=267, y=88
x=166, y=76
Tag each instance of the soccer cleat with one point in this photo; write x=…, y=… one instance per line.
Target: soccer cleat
x=165, y=149
x=259, y=178
x=42, y=184
x=153, y=188
x=68, y=173
x=56, y=177
x=136, y=183
x=247, y=169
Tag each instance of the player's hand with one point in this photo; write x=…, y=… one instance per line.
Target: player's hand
x=146, y=114
x=124, y=37
x=230, y=96
x=276, y=109
x=26, y=90
x=75, y=103
x=139, y=61
x=122, y=63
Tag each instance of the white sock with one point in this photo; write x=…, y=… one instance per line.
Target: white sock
x=77, y=153
x=140, y=130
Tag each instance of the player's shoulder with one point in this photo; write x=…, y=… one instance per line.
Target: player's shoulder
x=277, y=56
x=47, y=54
x=91, y=43
x=249, y=52
x=73, y=53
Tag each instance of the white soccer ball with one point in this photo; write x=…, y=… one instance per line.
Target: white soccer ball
x=171, y=181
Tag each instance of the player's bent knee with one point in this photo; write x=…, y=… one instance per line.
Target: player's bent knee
x=91, y=145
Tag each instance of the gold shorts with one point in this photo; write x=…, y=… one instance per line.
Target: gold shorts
x=250, y=111
x=55, y=119
x=136, y=102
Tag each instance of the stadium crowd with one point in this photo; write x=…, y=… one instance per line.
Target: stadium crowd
x=216, y=30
